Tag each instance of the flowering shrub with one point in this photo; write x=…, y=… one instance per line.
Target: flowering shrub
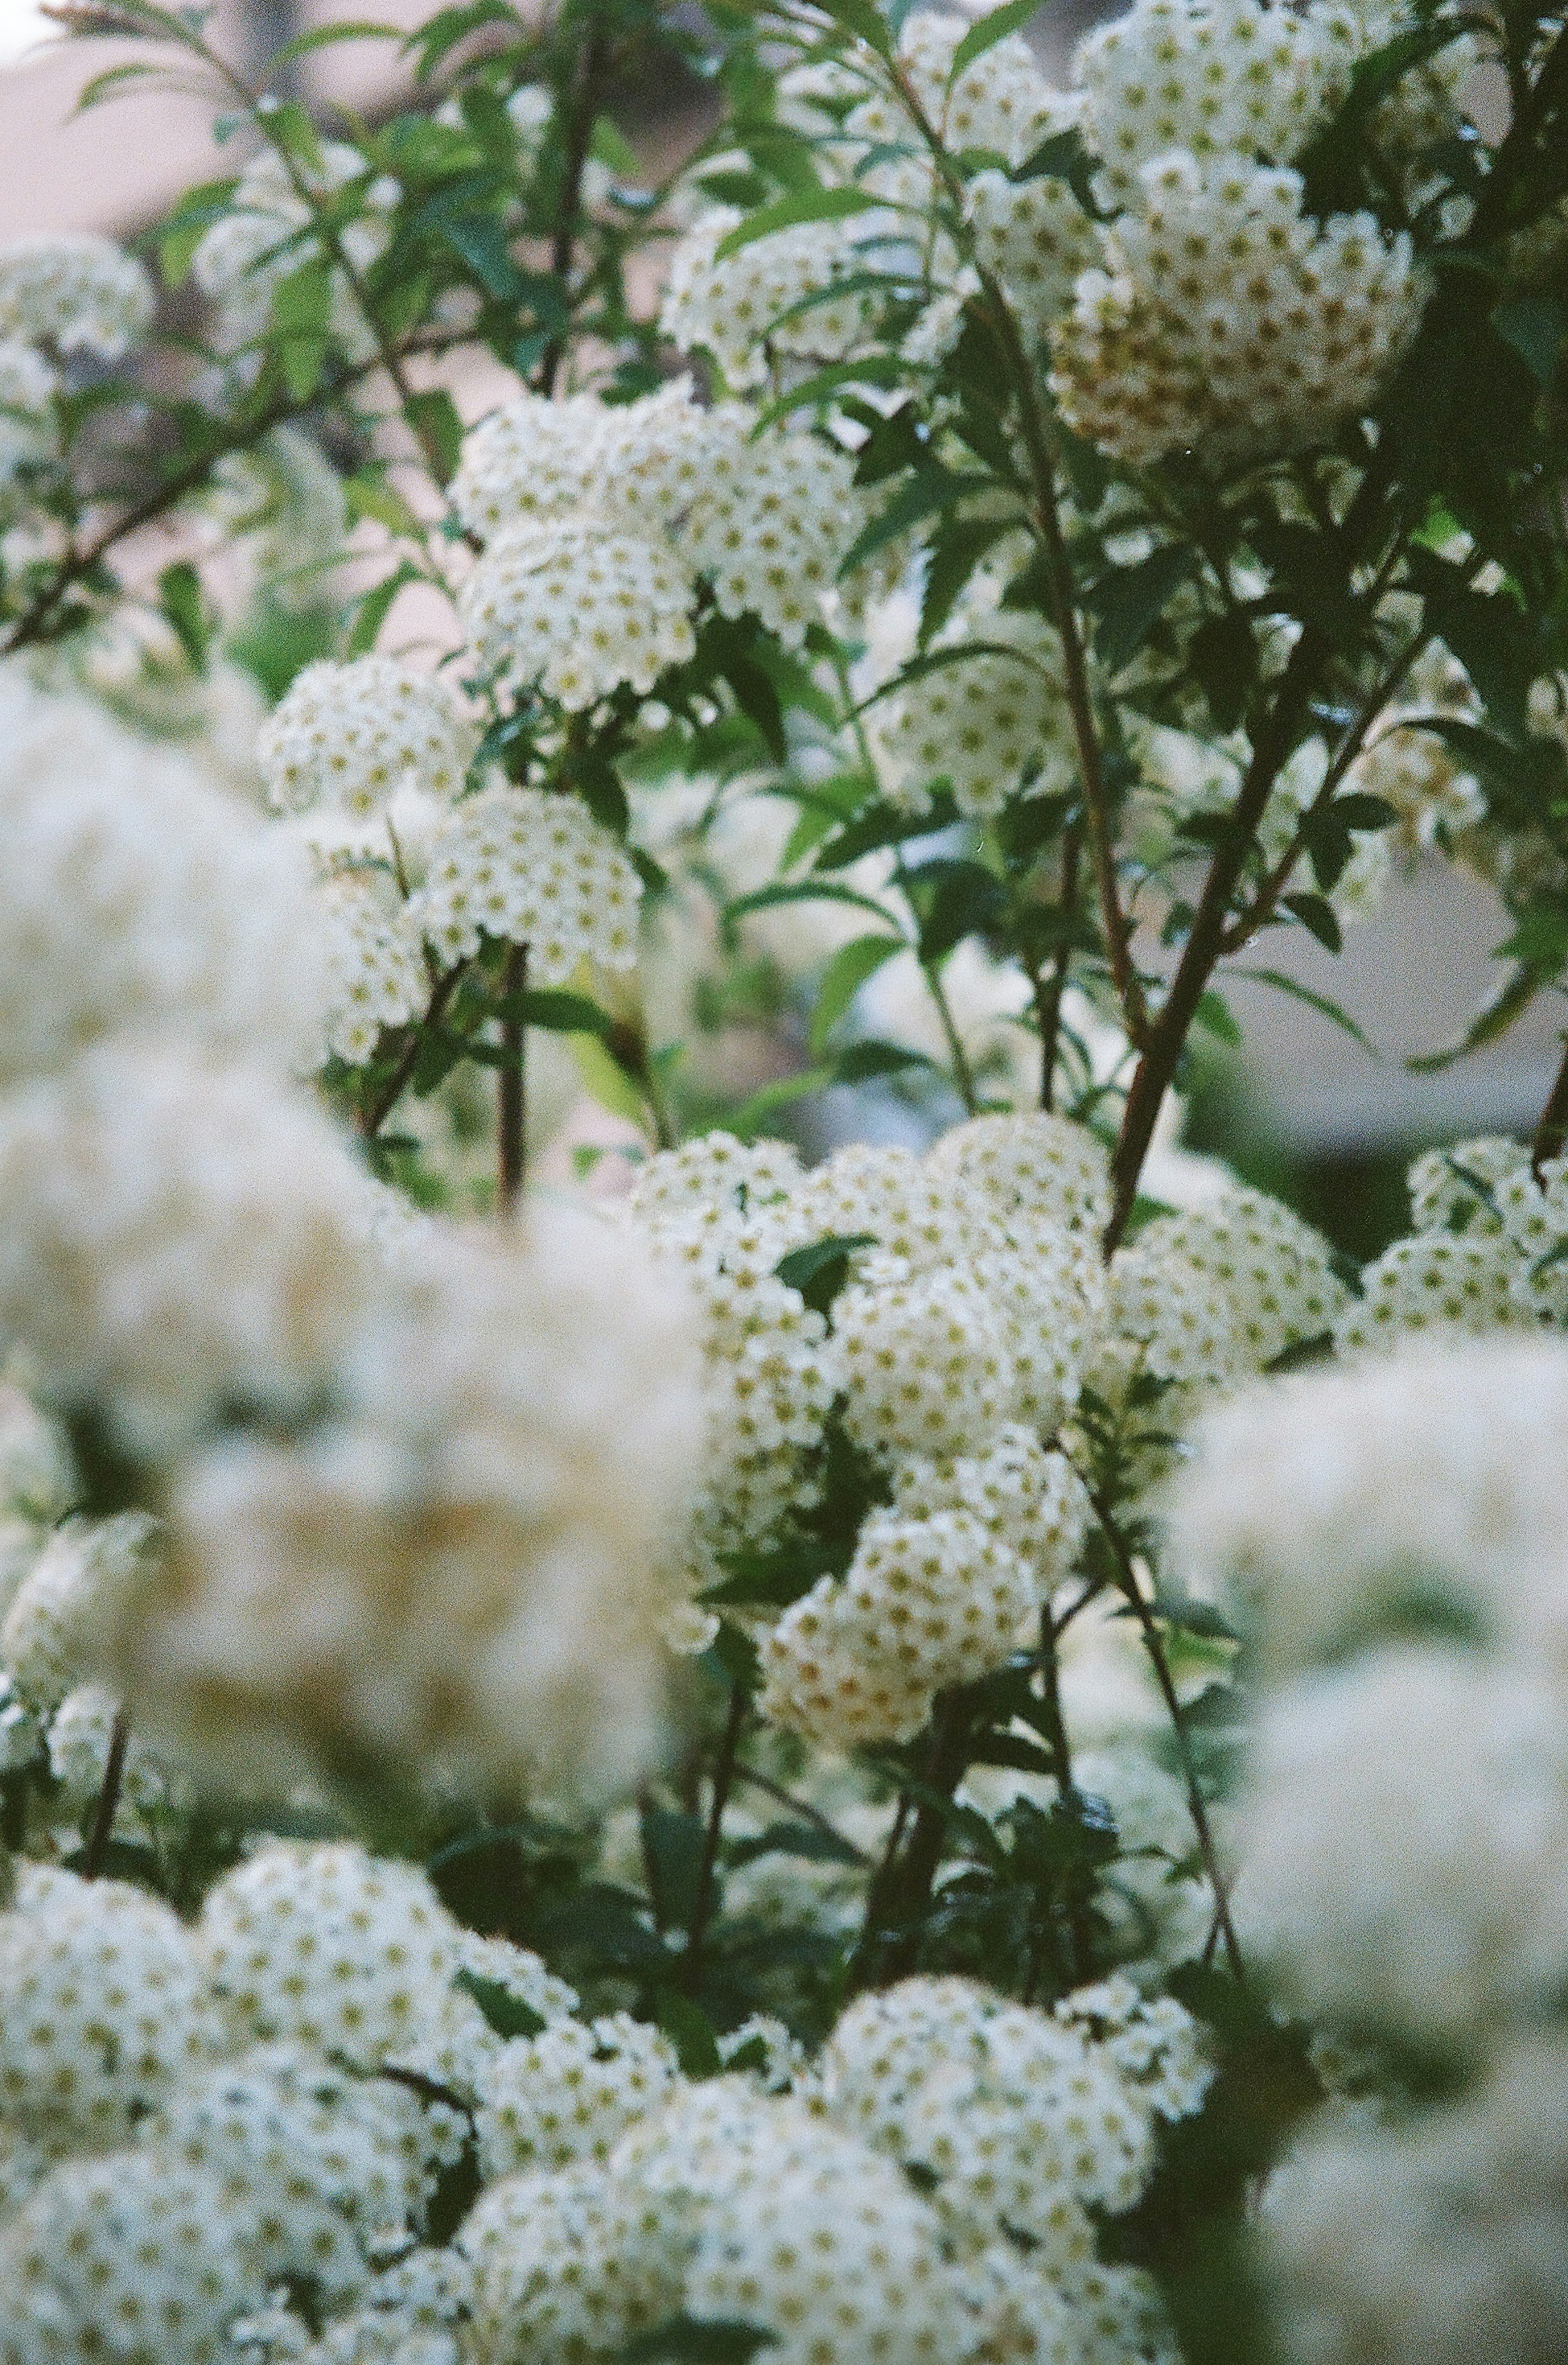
x=953, y=1753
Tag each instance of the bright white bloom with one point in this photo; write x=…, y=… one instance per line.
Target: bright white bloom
x=1034, y=1164
x=568, y=2094
x=81, y=1735
x=1231, y=78
x=818, y=1679
x=178, y=1240
x=775, y=291
x=1035, y=238
x=78, y=1578
x=76, y=291
x=529, y=867
x=1403, y=1848
x=103, y=2008
x=376, y=978
x=352, y=734
x=27, y=388
x=1437, y=1281
x=467, y=1565
x=1226, y=320
x=133, y=895
x=325, y=1947
x=566, y=2267
x=1432, y=1487
x=1437, y=2241
x=578, y=608
x=1218, y=1292
x=769, y=535
x=1031, y=1501
x=982, y=724
x=536, y=456
x=315, y=2164
x=130, y=2257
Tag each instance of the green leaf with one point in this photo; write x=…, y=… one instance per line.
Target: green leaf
x=803, y=890
x=672, y=1855
x=505, y=2012
x=846, y=973
x=302, y=314
x=324, y=36
x=757, y=1112
x=1535, y=326
x=480, y=241
x=807, y=206
x=1357, y=810
x=1128, y=602
x=884, y=824
x=111, y=83
x=368, y=495
x=873, y=369
x=1318, y=1001
x=1214, y=1013
x=558, y=1013
x=433, y=416
x=1316, y=915
x=809, y=1841
x=930, y=488
x=1510, y=1001
x=862, y=1063
x=864, y=20
x=442, y=33
x=684, y=2340
x=1223, y=656
x=966, y=899
x=989, y=29
x=373, y=607
x=820, y=1270
x=690, y=2032
x=180, y=597
x=956, y=549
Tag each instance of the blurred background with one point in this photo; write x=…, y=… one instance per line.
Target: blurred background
x=1300, y=1105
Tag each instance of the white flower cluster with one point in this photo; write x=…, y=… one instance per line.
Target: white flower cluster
x=1200, y=1301
x=599, y=520
x=779, y=291
x=531, y=869
x=970, y=1299
x=208, y=2129
x=981, y=723
x=1404, y=1832
x=1487, y=1254
x=134, y=895
x=376, y=978
x=500, y=1433
x=75, y=291
x=1224, y=319
x=351, y=735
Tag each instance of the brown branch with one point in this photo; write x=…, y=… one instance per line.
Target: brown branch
x=1205, y=942
x=563, y=245
x=1551, y=1134
x=703, y=1893
x=98, y=1838
x=381, y=1108
x=512, y=1086
x=31, y=625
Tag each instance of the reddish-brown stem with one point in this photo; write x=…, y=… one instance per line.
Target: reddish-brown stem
x=391, y=1093
x=1551, y=1134
x=511, y=1088
x=1050, y=986
x=721, y=1778
x=98, y=1838
x=1205, y=943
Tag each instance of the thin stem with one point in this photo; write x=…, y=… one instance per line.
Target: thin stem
x=888, y=1945
x=1050, y=986
x=78, y=565
x=1167, y=1036
x=702, y=1897
x=1197, y=1807
x=511, y=1088
x=1552, y=1130
x=1079, y=1928
x=392, y=1091
x=563, y=244
x=802, y=1807
x=109, y=1797
x=1046, y=517
x=963, y=1074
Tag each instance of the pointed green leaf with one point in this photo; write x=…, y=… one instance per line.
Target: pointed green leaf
x=785, y=213
x=846, y=973
x=993, y=27
x=1318, y=1001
